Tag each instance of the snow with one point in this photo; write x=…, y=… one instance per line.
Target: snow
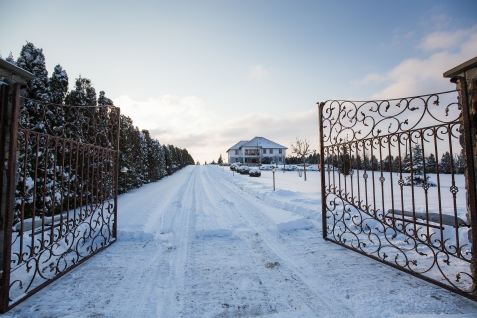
x=206, y=242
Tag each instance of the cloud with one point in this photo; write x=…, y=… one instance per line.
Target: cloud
x=446, y=40
x=417, y=76
x=258, y=72
x=209, y=144
x=170, y=114
x=186, y=123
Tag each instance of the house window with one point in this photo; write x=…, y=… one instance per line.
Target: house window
x=279, y=151
x=236, y=159
x=236, y=152
x=270, y=151
x=246, y=152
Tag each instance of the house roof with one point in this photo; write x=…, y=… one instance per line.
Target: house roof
x=263, y=143
x=257, y=142
x=237, y=145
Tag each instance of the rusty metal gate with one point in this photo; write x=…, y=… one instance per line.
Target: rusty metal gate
x=59, y=189
x=393, y=185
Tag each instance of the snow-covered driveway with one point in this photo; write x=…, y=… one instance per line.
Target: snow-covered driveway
x=197, y=244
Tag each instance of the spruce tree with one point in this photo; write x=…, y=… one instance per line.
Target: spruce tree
x=40, y=165
x=344, y=165
x=84, y=93
x=220, y=160
x=10, y=59
x=58, y=85
x=417, y=169
x=396, y=163
x=168, y=159
x=387, y=163
x=445, y=165
x=431, y=163
x=459, y=163
x=31, y=59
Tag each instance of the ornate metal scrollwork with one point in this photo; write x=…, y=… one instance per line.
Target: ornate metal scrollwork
x=66, y=195
x=400, y=204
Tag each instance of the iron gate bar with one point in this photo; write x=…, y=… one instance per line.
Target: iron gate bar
x=347, y=209
x=3, y=124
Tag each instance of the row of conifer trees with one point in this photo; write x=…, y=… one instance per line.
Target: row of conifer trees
x=413, y=161
x=42, y=175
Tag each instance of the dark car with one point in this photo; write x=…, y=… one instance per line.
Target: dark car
x=234, y=166
x=243, y=169
x=255, y=172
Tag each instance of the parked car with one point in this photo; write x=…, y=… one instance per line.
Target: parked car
x=255, y=172
x=243, y=169
x=234, y=166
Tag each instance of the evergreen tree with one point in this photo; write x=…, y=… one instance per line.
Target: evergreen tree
x=10, y=59
x=188, y=160
x=445, y=165
x=84, y=93
x=417, y=165
x=125, y=152
x=387, y=163
x=220, y=160
x=168, y=159
x=431, y=163
x=396, y=163
x=58, y=85
x=358, y=162
x=32, y=60
x=416, y=168
x=374, y=163
x=459, y=163
x=174, y=158
x=344, y=165
x=41, y=165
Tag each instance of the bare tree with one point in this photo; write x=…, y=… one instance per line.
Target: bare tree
x=302, y=150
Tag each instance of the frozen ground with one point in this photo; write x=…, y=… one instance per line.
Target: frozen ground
x=205, y=243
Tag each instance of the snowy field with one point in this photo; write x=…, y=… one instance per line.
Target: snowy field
x=207, y=243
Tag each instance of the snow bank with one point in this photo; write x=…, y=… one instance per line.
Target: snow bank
x=214, y=233
x=135, y=235
x=297, y=224
x=303, y=200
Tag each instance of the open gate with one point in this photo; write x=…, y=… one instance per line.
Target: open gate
x=59, y=189
x=393, y=185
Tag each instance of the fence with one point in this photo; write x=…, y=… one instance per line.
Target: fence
x=61, y=179
x=394, y=187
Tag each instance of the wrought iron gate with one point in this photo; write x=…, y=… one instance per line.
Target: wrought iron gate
x=60, y=171
x=393, y=185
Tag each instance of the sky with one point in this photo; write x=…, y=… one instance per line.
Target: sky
x=203, y=75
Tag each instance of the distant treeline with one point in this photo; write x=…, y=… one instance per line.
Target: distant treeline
x=447, y=164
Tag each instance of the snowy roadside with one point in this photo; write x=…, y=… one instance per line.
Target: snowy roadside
x=195, y=245
x=291, y=192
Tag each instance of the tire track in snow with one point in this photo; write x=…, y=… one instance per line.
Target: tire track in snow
x=211, y=208
x=182, y=228
x=262, y=259
x=164, y=258
x=250, y=211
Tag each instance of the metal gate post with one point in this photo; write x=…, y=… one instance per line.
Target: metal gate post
x=468, y=116
x=322, y=172
x=10, y=133
x=116, y=175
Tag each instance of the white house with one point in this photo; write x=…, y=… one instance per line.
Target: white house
x=255, y=150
